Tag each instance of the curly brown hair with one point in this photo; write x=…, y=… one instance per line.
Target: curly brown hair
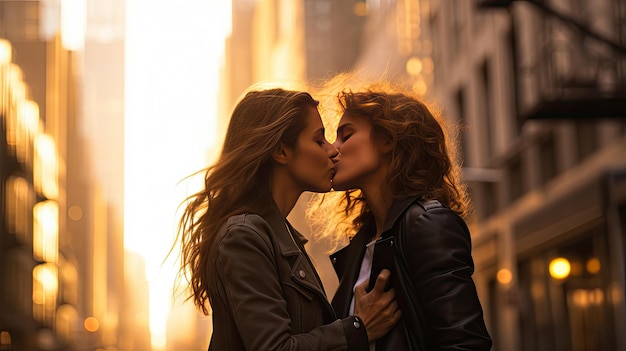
x=422, y=156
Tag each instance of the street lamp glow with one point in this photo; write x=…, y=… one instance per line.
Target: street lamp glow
x=560, y=268
x=504, y=276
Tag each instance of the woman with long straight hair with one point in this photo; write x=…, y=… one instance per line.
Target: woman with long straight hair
x=245, y=263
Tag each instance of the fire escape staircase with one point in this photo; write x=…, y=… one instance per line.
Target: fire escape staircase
x=577, y=72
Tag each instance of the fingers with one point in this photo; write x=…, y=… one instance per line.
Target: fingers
x=361, y=289
x=380, y=315
x=395, y=316
x=395, y=308
x=392, y=313
x=382, y=281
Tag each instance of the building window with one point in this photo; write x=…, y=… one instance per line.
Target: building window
x=480, y=18
x=489, y=205
x=462, y=124
x=513, y=73
x=436, y=53
x=487, y=108
x=586, y=139
x=572, y=310
x=516, y=178
x=457, y=24
x=547, y=157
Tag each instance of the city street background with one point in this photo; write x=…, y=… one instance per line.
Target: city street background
x=109, y=106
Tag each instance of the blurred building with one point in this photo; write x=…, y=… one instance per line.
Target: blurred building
x=333, y=36
x=38, y=305
x=61, y=242
x=538, y=88
x=290, y=41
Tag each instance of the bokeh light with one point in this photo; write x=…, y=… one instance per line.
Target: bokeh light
x=559, y=268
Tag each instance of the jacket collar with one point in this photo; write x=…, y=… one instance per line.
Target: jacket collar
x=290, y=245
x=347, y=261
x=367, y=231
x=398, y=207
x=267, y=208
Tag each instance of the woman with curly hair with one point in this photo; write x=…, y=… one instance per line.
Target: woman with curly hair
x=400, y=193
x=245, y=263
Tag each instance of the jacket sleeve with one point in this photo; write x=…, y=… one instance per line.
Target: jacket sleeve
x=246, y=270
x=438, y=250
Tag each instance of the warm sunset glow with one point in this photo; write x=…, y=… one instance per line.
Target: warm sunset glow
x=172, y=77
x=45, y=289
x=66, y=320
x=45, y=168
x=73, y=23
x=6, y=51
x=46, y=231
x=17, y=207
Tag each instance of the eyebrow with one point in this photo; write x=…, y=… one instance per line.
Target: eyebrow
x=343, y=126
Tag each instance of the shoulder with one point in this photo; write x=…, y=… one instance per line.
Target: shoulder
x=246, y=227
x=250, y=220
x=431, y=210
x=439, y=235
x=433, y=219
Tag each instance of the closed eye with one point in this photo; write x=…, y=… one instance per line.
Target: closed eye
x=344, y=132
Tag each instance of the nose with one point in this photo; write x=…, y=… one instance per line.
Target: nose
x=332, y=152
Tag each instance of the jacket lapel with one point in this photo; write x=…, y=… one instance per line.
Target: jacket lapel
x=347, y=261
x=347, y=264
x=291, y=245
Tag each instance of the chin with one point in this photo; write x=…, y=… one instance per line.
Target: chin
x=338, y=183
x=322, y=189
x=340, y=187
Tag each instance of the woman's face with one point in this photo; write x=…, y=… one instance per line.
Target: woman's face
x=360, y=158
x=311, y=164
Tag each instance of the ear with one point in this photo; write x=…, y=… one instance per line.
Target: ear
x=385, y=145
x=280, y=154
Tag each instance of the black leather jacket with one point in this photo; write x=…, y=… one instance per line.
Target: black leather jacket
x=438, y=251
x=266, y=295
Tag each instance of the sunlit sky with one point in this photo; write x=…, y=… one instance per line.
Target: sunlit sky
x=174, y=50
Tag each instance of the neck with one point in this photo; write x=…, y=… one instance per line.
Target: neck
x=379, y=202
x=378, y=196
x=284, y=193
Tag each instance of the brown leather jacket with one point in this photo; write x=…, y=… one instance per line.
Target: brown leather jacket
x=266, y=295
x=440, y=265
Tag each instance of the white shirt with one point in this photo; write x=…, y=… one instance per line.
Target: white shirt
x=364, y=274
